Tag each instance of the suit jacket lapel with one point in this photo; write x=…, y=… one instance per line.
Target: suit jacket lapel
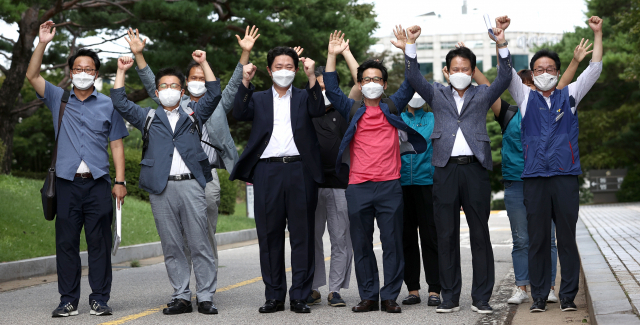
x=183, y=117
x=452, y=102
x=472, y=91
x=268, y=105
x=162, y=115
x=294, y=107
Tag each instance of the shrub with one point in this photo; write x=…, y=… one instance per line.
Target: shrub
x=132, y=172
x=228, y=191
x=630, y=187
x=498, y=205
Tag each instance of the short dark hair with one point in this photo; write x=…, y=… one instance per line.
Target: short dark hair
x=320, y=70
x=527, y=76
x=282, y=50
x=190, y=66
x=545, y=53
x=169, y=72
x=372, y=64
x=462, y=52
x=85, y=52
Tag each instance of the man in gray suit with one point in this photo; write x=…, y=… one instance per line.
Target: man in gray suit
x=174, y=170
x=223, y=154
x=461, y=156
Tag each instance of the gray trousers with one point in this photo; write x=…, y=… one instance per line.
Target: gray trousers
x=212, y=193
x=332, y=211
x=182, y=208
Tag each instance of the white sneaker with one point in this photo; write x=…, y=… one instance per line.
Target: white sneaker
x=519, y=296
x=552, y=296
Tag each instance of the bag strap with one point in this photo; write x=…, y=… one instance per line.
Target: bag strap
x=511, y=112
x=145, y=135
x=195, y=124
x=63, y=105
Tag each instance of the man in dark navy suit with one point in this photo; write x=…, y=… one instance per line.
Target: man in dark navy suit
x=282, y=160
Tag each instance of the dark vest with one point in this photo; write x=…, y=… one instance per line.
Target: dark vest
x=550, y=136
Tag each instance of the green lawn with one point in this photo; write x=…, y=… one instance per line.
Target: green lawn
x=24, y=233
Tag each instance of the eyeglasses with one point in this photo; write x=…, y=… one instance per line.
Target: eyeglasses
x=80, y=70
x=540, y=71
x=173, y=86
x=367, y=80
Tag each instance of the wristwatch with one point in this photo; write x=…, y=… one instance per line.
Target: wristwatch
x=121, y=183
x=503, y=44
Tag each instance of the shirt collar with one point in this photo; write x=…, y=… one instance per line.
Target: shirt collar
x=454, y=92
x=276, y=95
x=173, y=112
x=94, y=93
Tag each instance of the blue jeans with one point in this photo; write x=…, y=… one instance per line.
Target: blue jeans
x=514, y=202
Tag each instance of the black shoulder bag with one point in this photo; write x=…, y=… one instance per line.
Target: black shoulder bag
x=48, y=191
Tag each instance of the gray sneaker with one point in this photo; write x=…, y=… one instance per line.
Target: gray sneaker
x=314, y=298
x=65, y=310
x=100, y=308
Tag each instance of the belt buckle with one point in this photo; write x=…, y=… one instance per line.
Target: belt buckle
x=84, y=175
x=464, y=160
x=284, y=159
x=178, y=177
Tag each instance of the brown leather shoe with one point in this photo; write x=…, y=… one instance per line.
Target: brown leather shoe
x=390, y=306
x=366, y=305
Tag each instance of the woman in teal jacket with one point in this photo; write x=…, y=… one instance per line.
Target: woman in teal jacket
x=416, y=178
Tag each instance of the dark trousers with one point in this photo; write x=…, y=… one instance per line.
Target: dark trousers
x=467, y=186
x=381, y=201
x=83, y=202
x=556, y=198
x=285, y=196
x=418, y=218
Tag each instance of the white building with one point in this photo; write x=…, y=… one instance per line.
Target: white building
x=441, y=33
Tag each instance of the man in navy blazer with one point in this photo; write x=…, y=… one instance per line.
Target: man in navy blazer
x=282, y=160
x=175, y=170
x=372, y=146
x=461, y=156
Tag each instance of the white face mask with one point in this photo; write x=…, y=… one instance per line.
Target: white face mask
x=372, y=90
x=416, y=101
x=196, y=88
x=327, y=102
x=169, y=97
x=283, y=78
x=545, y=81
x=460, y=80
x=82, y=80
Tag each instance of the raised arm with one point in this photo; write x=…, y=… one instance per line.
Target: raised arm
x=45, y=35
x=355, y=92
x=243, y=105
x=406, y=41
x=128, y=109
x=315, y=100
x=595, y=23
x=136, y=44
x=339, y=100
x=590, y=75
x=503, y=80
x=579, y=53
x=208, y=103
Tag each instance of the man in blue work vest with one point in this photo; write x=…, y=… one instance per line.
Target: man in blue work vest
x=552, y=165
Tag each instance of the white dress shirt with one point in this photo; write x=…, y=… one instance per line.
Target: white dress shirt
x=578, y=89
x=460, y=146
x=281, y=143
x=177, y=164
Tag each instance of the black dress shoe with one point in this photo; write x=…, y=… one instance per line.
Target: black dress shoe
x=272, y=306
x=299, y=306
x=207, y=307
x=567, y=304
x=539, y=305
x=179, y=306
x=390, y=306
x=411, y=300
x=365, y=306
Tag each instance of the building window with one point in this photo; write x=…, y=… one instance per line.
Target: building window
x=425, y=46
x=479, y=65
x=448, y=45
x=518, y=61
x=426, y=68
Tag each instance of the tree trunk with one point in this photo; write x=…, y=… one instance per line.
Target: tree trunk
x=20, y=57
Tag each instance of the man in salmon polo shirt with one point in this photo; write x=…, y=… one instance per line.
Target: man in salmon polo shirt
x=376, y=137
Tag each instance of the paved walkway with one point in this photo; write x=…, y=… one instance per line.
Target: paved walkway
x=615, y=228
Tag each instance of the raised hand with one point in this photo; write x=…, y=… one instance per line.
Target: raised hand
x=248, y=72
x=45, y=35
x=401, y=37
x=503, y=22
x=337, y=44
x=125, y=62
x=595, y=23
x=250, y=37
x=582, y=50
x=309, y=66
x=445, y=72
x=298, y=50
x=413, y=33
x=199, y=56
x=499, y=32
x=136, y=44
x=460, y=44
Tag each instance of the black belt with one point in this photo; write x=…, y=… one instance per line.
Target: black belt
x=84, y=175
x=181, y=177
x=463, y=160
x=282, y=159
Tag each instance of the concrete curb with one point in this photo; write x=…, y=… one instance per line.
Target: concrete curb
x=608, y=304
x=38, y=266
